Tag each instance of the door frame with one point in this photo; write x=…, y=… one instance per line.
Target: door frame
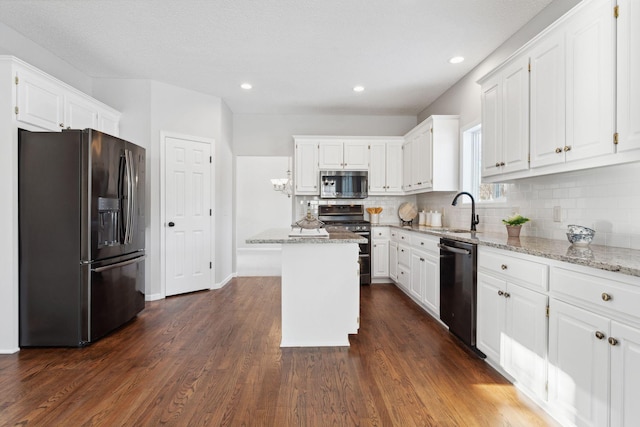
x=163, y=185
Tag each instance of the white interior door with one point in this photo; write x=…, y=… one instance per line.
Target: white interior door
x=187, y=225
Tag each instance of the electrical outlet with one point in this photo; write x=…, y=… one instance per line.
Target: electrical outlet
x=557, y=214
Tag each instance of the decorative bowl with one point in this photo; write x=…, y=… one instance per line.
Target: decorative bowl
x=579, y=235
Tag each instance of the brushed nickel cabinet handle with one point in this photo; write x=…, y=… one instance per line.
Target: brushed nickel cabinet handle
x=507, y=295
x=606, y=297
x=503, y=266
x=613, y=341
x=567, y=148
x=599, y=335
x=558, y=150
x=500, y=293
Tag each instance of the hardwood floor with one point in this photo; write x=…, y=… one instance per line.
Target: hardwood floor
x=213, y=358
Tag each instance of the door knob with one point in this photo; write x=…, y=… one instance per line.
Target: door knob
x=171, y=224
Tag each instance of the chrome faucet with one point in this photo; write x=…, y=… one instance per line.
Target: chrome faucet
x=475, y=219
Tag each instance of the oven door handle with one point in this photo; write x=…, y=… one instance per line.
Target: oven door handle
x=454, y=250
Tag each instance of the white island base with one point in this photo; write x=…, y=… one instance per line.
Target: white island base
x=320, y=294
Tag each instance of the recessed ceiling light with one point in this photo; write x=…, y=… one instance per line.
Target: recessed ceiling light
x=358, y=88
x=246, y=86
x=456, y=59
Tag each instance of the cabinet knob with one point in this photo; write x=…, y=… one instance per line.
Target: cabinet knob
x=606, y=296
x=422, y=259
x=567, y=148
x=599, y=335
x=507, y=295
x=497, y=164
x=500, y=293
x=503, y=266
x=401, y=250
x=421, y=243
x=501, y=163
x=61, y=125
x=558, y=150
x=613, y=341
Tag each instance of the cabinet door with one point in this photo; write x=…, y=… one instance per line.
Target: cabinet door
x=431, y=285
x=491, y=126
x=625, y=375
x=422, y=155
x=393, y=261
x=491, y=317
x=590, y=81
x=40, y=101
x=418, y=273
x=407, y=164
x=515, y=116
x=306, y=166
x=578, y=365
x=80, y=113
x=380, y=258
x=548, y=96
x=628, y=111
x=394, y=167
x=108, y=123
x=331, y=155
x=526, y=334
x=377, y=168
x=356, y=155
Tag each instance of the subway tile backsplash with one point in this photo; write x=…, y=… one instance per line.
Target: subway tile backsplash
x=605, y=199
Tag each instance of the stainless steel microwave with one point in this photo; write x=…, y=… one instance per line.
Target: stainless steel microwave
x=344, y=184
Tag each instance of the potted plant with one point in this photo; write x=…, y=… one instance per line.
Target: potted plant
x=514, y=224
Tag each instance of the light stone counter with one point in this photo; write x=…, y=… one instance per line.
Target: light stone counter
x=281, y=235
x=621, y=260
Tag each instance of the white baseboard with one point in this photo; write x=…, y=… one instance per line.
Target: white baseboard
x=9, y=350
x=153, y=297
x=224, y=281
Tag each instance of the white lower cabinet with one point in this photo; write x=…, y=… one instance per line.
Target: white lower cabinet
x=512, y=330
x=512, y=323
x=594, y=348
x=380, y=252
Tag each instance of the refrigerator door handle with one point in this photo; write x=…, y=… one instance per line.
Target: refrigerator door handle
x=134, y=195
x=127, y=171
x=118, y=265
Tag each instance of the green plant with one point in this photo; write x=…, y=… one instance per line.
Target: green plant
x=515, y=219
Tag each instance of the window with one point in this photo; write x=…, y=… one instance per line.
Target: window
x=472, y=169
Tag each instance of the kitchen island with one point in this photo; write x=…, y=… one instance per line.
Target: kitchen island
x=320, y=287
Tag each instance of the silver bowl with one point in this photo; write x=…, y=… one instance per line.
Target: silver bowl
x=581, y=237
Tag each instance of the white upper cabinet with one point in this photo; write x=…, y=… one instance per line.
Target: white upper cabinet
x=547, y=100
x=385, y=167
x=348, y=155
x=40, y=100
x=505, y=118
x=590, y=77
x=430, y=157
x=46, y=103
x=628, y=76
x=306, y=167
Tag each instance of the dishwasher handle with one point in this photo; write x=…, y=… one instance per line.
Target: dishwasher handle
x=454, y=250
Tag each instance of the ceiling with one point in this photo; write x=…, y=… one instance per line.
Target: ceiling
x=301, y=56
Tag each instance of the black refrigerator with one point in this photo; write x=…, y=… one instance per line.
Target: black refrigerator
x=81, y=235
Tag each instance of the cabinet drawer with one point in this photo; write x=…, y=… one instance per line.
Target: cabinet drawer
x=404, y=255
x=424, y=242
x=597, y=290
x=380, y=232
x=404, y=237
x=530, y=274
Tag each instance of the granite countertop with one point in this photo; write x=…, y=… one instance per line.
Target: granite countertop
x=281, y=235
x=626, y=261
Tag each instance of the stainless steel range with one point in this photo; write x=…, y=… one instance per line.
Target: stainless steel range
x=350, y=217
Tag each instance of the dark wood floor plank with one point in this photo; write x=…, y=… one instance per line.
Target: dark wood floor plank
x=213, y=358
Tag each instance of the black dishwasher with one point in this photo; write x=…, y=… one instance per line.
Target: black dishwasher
x=458, y=289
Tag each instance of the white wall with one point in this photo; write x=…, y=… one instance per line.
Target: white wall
x=224, y=208
x=271, y=135
x=258, y=208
